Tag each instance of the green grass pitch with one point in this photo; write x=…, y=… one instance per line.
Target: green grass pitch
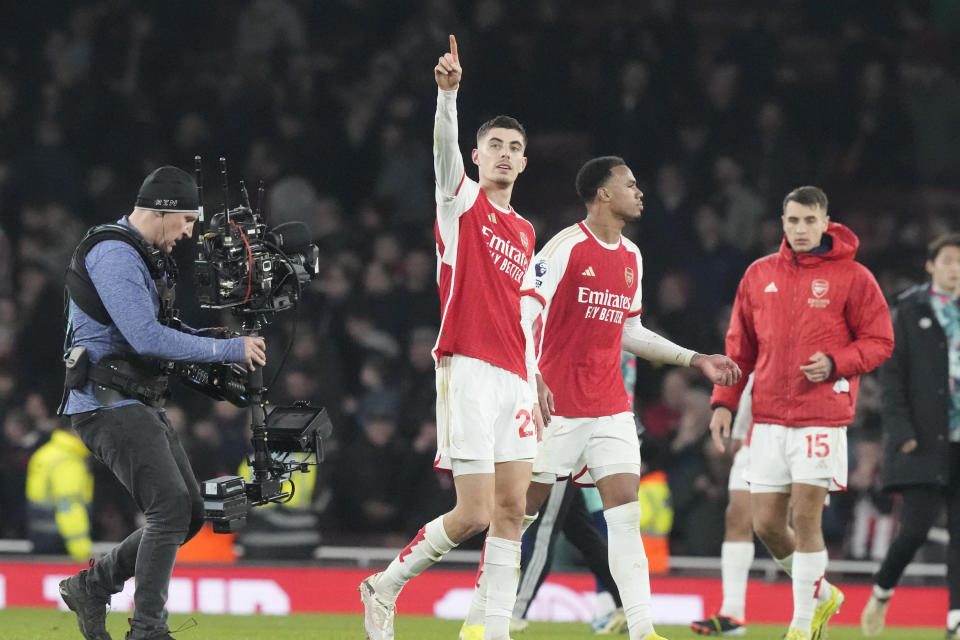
x=48, y=624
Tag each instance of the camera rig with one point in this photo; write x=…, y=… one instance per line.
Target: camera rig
x=256, y=272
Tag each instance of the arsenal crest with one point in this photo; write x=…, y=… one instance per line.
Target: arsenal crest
x=524, y=241
x=820, y=288
x=628, y=276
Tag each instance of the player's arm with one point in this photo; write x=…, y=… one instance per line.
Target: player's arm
x=646, y=344
x=868, y=317
x=537, y=290
x=447, y=161
x=742, y=347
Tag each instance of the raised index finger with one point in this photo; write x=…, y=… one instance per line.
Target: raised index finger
x=453, y=47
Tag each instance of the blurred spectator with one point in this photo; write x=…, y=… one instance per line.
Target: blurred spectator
x=20, y=439
x=741, y=206
x=713, y=264
x=661, y=419
x=368, y=492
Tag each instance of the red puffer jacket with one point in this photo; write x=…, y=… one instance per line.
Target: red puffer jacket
x=791, y=305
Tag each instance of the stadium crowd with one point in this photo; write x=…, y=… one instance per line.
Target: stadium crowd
x=719, y=107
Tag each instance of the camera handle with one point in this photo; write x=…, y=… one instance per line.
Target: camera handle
x=258, y=416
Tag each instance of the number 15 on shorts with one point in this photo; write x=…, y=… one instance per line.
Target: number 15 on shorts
x=817, y=445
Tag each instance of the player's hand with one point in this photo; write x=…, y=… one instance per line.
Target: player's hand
x=909, y=446
x=447, y=73
x=538, y=421
x=545, y=397
x=254, y=351
x=718, y=368
x=720, y=426
x=819, y=368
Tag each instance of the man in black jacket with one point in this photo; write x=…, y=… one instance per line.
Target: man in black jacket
x=921, y=425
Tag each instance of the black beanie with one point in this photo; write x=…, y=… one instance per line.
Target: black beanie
x=168, y=189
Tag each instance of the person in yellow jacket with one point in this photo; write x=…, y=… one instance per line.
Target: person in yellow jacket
x=59, y=494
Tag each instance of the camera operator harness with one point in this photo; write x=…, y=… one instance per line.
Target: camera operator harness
x=118, y=376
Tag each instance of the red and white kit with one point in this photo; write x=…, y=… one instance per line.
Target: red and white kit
x=788, y=306
x=588, y=290
x=484, y=402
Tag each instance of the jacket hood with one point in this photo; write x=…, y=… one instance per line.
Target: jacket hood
x=845, y=244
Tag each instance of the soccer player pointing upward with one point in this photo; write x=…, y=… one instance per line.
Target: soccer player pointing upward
x=488, y=422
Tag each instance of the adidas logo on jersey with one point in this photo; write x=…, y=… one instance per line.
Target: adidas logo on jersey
x=771, y=288
x=589, y=272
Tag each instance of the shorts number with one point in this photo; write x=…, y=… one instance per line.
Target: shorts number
x=525, y=429
x=818, y=446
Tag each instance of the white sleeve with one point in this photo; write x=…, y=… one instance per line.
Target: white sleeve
x=447, y=161
x=648, y=345
x=744, y=417
x=545, y=273
x=637, y=304
x=530, y=309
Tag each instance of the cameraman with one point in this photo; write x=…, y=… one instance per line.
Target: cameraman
x=118, y=355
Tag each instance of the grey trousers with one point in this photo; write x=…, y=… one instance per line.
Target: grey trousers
x=142, y=450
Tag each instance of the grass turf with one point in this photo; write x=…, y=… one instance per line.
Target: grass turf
x=48, y=624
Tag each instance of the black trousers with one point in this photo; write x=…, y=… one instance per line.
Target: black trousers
x=142, y=449
x=565, y=510
x=920, y=508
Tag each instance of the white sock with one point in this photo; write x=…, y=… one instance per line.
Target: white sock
x=478, y=603
x=735, y=561
x=882, y=594
x=809, y=585
x=629, y=567
x=953, y=618
x=502, y=566
x=786, y=564
x=427, y=547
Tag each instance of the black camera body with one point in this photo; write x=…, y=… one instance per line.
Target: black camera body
x=244, y=266
x=254, y=271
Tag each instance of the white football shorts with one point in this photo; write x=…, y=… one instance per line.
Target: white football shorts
x=738, y=470
x=588, y=449
x=484, y=416
x=807, y=455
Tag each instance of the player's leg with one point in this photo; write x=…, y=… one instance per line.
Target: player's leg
x=552, y=503
x=580, y=530
x=613, y=458
x=555, y=456
x=920, y=507
x=502, y=553
x=470, y=516
x=515, y=449
x=627, y=557
x=537, y=493
x=736, y=556
x=810, y=556
x=818, y=463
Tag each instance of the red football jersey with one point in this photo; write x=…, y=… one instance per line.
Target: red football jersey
x=483, y=256
x=483, y=252
x=588, y=289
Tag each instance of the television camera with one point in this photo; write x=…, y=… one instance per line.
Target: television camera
x=256, y=272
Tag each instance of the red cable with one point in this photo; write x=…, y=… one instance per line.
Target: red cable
x=249, y=261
